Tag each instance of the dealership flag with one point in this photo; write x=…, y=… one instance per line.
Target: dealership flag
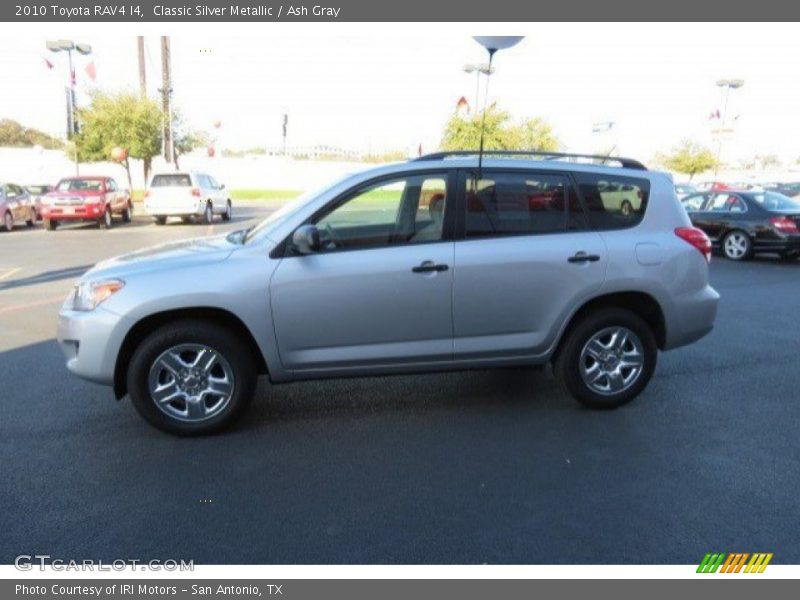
x=47, y=63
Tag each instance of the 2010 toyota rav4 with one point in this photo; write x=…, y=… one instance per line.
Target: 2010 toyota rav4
x=439, y=263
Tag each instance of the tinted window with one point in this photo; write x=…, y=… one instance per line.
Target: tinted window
x=519, y=203
x=399, y=211
x=776, y=201
x=172, y=180
x=613, y=202
x=726, y=203
x=112, y=185
x=694, y=202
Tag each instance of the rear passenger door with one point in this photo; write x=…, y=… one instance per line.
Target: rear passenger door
x=524, y=259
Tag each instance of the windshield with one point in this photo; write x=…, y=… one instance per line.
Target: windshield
x=777, y=202
x=38, y=189
x=172, y=180
x=73, y=185
x=286, y=210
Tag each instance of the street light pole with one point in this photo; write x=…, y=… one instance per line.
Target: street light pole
x=728, y=84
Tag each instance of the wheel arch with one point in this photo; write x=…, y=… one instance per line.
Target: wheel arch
x=150, y=323
x=641, y=303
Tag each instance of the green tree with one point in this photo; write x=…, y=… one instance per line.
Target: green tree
x=186, y=139
x=15, y=135
x=689, y=158
x=124, y=120
x=500, y=132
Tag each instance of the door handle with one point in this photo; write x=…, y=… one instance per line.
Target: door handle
x=428, y=267
x=582, y=257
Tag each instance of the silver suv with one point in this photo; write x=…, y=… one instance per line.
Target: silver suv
x=440, y=263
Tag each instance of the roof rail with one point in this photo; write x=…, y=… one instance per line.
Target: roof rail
x=626, y=163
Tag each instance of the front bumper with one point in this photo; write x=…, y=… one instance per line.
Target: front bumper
x=90, y=341
x=73, y=213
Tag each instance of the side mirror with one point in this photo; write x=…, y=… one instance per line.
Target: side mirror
x=305, y=239
x=222, y=186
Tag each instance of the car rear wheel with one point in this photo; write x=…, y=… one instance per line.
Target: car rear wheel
x=187, y=220
x=160, y=220
x=737, y=245
x=191, y=378
x=127, y=214
x=208, y=215
x=226, y=216
x=8, y=221
x=50, y=224
x=31, y=221
x=607, y=358
x=106, y=221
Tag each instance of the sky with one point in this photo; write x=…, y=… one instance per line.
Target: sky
x=391, y=86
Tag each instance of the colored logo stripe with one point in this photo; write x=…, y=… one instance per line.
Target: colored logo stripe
x=734, y=562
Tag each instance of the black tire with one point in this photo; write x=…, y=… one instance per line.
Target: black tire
x=31, y=221
x=8, y=221
x=214, y=336
x=187, y=220
x=127, y=214
x=160, y=220
x=567, y=364
x=106, y=221
x=743, y=238
x=208, y=214
x=226, y=216
x=50, y=224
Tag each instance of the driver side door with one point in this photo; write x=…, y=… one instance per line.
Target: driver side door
x=378, y=291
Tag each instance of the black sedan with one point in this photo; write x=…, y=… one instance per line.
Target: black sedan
x=742, y=223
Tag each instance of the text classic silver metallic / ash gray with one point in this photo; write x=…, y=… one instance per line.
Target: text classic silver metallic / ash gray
x=439, y=263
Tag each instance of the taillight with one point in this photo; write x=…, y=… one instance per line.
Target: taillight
x=697, y=238
x=196, y=192
x=784, y=225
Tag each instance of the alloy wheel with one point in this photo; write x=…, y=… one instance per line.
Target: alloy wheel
x=612, y=360
x=736, y=245
x=191, y=382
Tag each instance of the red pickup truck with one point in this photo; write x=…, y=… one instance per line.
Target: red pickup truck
x=86, y=199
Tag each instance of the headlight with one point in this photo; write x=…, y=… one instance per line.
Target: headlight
x=89, y=294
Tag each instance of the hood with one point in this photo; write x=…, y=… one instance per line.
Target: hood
x=172, y=255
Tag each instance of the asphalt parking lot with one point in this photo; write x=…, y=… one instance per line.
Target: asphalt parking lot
x=476, y=467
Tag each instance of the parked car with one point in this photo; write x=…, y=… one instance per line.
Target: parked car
x=96, y=199
x=620, y=196
x=713, y=186
x=684, y=189
x=188, y=195
x=430, y=265
x=742, y=223
x=37, y=192
x=15, y=206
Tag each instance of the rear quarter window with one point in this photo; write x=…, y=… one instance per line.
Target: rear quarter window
x=612, y=201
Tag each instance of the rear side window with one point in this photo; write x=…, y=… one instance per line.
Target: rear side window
x=519, y=203
x=613, y=202
x=172, y=180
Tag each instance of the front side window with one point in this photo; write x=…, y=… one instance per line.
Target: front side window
x=520, y=203
x=726, y=203
x=405, y=210
x=613, y=202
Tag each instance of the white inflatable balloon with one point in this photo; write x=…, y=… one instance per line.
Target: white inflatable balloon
x=498, y=42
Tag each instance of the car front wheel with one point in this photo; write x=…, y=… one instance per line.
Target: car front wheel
x=8, y=221
x=607, y=358
x=226, y=216
x=106, y=221
x=191, y=378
